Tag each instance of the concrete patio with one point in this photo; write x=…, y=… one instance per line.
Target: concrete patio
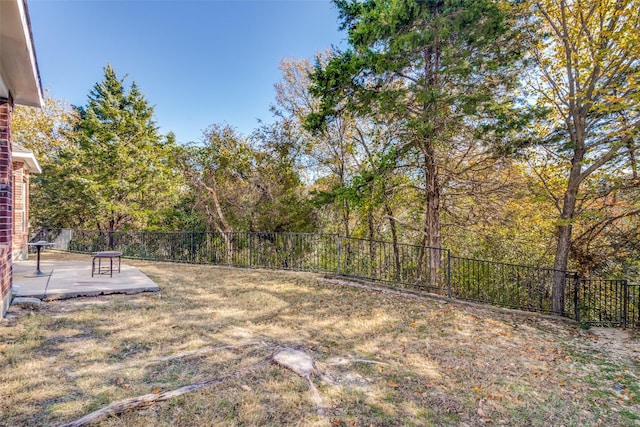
x=69, y=279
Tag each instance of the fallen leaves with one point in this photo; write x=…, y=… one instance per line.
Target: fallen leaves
x=457, y=364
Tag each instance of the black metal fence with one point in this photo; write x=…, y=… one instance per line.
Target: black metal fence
x=510, y=285
x=591, y=301
x=609, y=303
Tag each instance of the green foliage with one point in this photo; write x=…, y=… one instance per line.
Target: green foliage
x=414, y=133
x=117, y=171
x=418, y=62
x=436, y=71
x=241, y=186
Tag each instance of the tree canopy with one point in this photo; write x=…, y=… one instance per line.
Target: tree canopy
x=114, y=171
x=498, y=129
x=430, y=67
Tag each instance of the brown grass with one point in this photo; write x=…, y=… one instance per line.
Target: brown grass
x=448, y=363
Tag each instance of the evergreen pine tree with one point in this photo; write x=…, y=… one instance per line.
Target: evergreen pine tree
x=117, y=174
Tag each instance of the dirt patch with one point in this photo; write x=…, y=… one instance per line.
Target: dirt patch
x=382, y=358
x=618, y=344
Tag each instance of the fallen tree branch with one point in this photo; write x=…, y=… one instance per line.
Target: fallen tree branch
x=295, y=360
x=149, y=399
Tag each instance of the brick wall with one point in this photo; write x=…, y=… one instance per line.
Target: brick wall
x=6, y=201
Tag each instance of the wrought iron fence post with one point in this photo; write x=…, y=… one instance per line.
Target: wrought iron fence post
x=339, y=248
x=250, y=249
x=636, y=310
x=449, y=273
x=193, y=251
x=625, y=304
x=142, y=254
x=576, y=296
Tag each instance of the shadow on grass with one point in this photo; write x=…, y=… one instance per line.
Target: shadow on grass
x=384, y=359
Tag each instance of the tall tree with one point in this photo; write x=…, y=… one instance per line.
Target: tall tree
x=588, y=58
x=117, y=171
x=427, y=66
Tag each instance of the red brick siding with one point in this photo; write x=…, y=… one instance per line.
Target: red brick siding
x=6, y=201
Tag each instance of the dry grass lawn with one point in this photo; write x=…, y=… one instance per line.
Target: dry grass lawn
x=440, y=363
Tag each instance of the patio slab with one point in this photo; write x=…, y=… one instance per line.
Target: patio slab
x=69, y=279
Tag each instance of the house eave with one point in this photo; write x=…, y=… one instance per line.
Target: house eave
x=29, y=160
x=19, y=75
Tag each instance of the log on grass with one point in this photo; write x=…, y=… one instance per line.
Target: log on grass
x=150, y=399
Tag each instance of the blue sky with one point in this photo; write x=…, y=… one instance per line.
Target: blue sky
x=197, y=62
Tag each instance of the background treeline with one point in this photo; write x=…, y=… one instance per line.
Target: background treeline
x=500, y=130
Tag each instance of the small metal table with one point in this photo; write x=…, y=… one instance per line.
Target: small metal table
x=110, y=255
x=39, y=245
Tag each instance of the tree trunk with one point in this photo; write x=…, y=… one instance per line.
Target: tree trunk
x=432, y=211
x=228, y=242
x=345, y=217
x=560, y=265
x=223, y=227
x=110, y=244
x=421, y=253
x=564, y=228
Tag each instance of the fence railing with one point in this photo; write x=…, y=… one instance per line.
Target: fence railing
x=591, y=301
x=609, y=303
x=510, y=285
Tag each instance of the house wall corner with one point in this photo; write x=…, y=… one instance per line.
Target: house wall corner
x=20, y=208
x=6, y=202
